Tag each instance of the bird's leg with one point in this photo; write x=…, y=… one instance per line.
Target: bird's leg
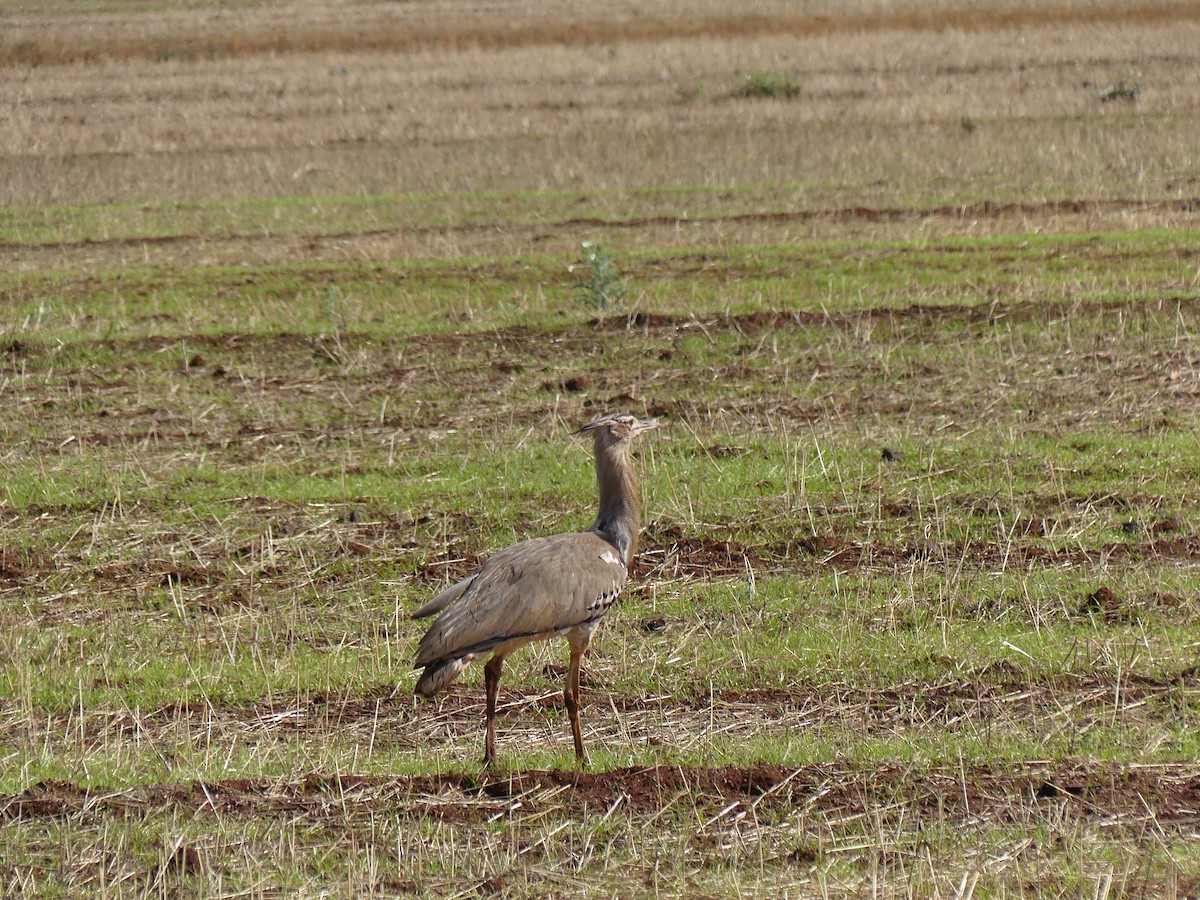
x=571, y=697
x=491, y=680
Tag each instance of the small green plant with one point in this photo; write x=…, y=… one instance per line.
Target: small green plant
x=761, y=83
x=601, y=286
x=689, y=93
x=333, y=307
x=967, y=124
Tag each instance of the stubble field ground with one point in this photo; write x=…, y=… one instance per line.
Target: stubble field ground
x=291, y=335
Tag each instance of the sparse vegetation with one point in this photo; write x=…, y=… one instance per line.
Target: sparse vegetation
x=917, y=606
x=764, y=83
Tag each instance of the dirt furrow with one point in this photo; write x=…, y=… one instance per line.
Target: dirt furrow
x=664, y=559
x=993, y=697
x=198, y=40
x=29, y=354
x=986, y=209
x=1165, y=795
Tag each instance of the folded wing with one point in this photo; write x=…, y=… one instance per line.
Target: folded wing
x=538, y=587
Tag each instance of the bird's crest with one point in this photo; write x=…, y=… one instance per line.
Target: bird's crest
x=619, y=426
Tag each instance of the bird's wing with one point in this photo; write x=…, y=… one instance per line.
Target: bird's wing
x=539, y=586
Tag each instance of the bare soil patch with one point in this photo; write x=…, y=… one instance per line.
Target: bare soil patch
x=993, y=698
x=1165, y=796
x=460, y=29
x=696, y=556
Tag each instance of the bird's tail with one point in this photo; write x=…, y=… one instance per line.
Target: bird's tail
x=444, y=599
x=437, y=676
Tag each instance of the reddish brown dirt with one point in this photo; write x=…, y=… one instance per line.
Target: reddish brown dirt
x=968, y=701
x=915, y=315
x=1168, y=794
x=285, y=345
x=466, y=32
x=671, y=555
x=984, y=210
x=303, y=364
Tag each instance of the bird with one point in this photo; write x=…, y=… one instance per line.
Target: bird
x=541, y=588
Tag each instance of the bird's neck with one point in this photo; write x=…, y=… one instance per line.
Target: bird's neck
x=619, y=518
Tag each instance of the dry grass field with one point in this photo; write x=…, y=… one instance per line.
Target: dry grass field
x=294, y=328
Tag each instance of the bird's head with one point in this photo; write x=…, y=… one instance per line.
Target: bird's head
x=617, y=428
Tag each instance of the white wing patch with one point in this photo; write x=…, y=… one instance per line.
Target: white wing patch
x=609, y=557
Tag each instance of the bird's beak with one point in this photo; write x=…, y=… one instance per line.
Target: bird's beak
x=646, y=425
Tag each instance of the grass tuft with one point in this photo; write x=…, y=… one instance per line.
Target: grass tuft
x=765, y=83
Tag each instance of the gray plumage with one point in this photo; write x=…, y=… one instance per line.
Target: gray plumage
x=535, y=589
x=542, y=587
